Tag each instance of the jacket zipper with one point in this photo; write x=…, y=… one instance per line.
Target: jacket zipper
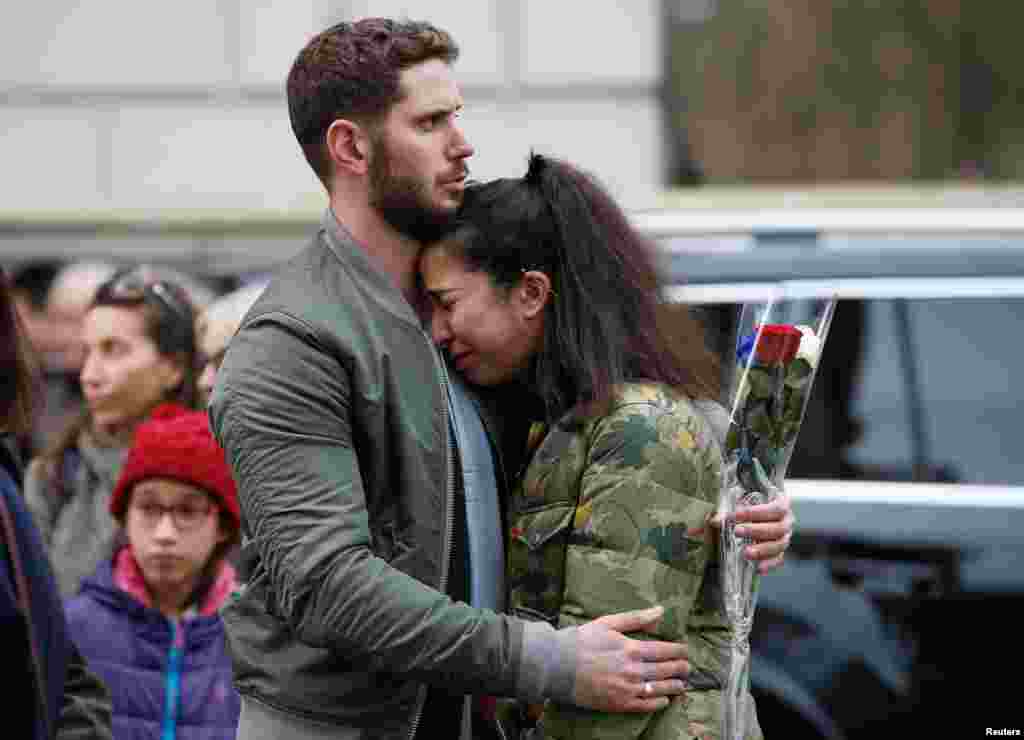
x=172, y=683
x=446, y=545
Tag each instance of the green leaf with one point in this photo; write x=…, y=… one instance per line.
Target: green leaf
x=759, y=421
x=798, y=373
x=760, y=383
x=732, y=439
x=794, y=404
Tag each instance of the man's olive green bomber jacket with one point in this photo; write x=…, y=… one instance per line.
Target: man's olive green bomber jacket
x=331, y=407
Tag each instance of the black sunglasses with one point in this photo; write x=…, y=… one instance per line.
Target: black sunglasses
x=131, y=287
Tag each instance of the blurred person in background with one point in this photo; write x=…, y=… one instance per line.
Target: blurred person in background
x=138, y=340
x=57, y=339
x=30, y=285
x=147, y=619
x=215, y=325
x=50, y=693
x=543, y=284
x=69, y=297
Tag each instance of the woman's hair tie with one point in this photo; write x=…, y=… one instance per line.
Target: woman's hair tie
x=535, y=169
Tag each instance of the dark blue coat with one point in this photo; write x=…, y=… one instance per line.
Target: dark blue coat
x=58, y=697
x=48, y=627
x=130, y=646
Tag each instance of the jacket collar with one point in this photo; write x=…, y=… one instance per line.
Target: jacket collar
x=354, y=257
x=127, y=576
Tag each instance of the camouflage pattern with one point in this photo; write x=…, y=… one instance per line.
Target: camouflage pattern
x=612, y=516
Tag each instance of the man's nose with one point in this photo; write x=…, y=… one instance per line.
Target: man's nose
x=461, y=148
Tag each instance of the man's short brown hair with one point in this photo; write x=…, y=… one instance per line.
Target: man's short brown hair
x=352, y=70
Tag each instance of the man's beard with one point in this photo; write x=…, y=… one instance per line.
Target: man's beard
x=402, y=201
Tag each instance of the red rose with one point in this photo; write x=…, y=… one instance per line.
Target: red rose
x=778, y=343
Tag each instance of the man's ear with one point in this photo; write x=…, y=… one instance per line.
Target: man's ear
x=348, y=146
x=534, y=292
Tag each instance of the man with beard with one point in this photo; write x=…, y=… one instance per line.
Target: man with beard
x=367, y=610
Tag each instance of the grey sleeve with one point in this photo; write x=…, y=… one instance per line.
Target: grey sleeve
x=549, y=664
x=281, y=410
x=41, y=500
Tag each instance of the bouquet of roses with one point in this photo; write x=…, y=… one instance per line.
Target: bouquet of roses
x=775, y=367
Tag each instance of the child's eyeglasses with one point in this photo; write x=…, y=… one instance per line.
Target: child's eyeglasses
x=186, y=516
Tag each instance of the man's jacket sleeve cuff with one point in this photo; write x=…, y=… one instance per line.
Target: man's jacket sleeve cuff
x=547, y=663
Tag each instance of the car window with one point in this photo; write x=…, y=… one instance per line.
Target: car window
x=860, y=422
x=968, y=359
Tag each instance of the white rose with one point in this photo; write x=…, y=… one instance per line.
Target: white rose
x=810, y=346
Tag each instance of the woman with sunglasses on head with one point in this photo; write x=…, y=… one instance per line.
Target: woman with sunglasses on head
x=139, y=349
x=544, y=286
x=147, y=619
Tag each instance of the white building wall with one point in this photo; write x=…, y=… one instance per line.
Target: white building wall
x=113, y=104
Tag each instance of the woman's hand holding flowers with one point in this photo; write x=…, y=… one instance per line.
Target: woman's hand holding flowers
x=769, y=526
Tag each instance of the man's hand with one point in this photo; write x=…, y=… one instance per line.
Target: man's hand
x=615, y=673
x=769, y=525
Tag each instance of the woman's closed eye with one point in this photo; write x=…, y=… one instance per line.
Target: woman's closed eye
x=443, y=302
x=431, y=122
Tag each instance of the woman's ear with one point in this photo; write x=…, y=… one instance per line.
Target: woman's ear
x=173, y=371
x=223, y=535
x=534, y=292
x=348, y=146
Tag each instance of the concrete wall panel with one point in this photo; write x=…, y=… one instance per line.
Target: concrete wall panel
x=154, y=105
x=270, y=34
x=51, y=159
x=207, y=157
x=619, y=143
x=608, y=41
x=101, y=44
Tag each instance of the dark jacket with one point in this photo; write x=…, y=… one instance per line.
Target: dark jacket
x=133, y=649
x=56, y=695
x=331, y=407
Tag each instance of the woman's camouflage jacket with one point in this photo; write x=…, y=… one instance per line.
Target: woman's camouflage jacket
x=612, y=515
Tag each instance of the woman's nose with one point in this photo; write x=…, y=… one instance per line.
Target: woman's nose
x=207, y=378
x=439, y=329
x=89, y=374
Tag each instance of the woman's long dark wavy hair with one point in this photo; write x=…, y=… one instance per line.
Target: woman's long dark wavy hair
x=19, y=373
x=608, y=322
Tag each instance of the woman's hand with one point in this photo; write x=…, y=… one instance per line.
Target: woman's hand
x=769, y=526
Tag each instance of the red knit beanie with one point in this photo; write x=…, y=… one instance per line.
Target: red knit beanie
x=176, y=443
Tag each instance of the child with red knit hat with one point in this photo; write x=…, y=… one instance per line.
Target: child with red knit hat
x=147, y=620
